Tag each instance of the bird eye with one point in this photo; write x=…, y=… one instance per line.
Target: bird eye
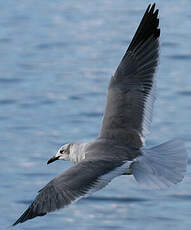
x=61, y=151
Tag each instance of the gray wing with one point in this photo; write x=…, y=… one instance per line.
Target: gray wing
x=130, y=97
x=80, y=180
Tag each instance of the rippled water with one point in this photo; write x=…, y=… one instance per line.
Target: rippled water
x=56, y=61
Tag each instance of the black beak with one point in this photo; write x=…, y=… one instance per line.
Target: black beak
x=52, y=159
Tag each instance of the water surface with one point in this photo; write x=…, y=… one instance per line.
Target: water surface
x=57, y=58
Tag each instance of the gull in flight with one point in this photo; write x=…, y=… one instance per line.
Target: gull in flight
x=119, y=148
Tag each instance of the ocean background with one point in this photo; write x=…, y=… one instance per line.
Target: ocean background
x=57, y=58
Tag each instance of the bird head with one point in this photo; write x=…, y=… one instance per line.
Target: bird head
x=62, y=154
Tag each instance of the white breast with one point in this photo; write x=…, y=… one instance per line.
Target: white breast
x=77, y=152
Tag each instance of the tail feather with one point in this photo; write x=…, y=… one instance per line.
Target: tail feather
x=161, y=166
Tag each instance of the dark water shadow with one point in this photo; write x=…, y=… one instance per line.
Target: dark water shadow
x=185, y=93
x=169, y=44
x=53, y=45
x=179, y=57
x=189, y=160
x=93, y=114
x=181, y=197
x=7, y=101
x=36, y=174
x=10, y=80
x=5, y=40
x=99, y=199
x=115, y=199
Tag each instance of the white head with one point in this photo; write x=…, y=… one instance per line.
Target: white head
x=62, y=154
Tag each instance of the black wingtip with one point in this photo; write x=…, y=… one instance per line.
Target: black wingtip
x=148, y=8
x=149, y=26
x=22, y=218
x=16, y=222
x=27, y=215
x=152, y=8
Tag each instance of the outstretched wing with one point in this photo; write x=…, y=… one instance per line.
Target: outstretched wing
x=80, y=180
x=131, y=92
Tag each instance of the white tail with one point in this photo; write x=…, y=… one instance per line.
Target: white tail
x=161, y=166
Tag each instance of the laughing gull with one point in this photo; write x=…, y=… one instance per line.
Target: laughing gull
x=119, y=148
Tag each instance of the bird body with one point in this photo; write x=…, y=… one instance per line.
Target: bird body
x=103, y=149
x=119, y=148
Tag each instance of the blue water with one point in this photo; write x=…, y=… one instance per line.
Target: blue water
x=57, y=58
